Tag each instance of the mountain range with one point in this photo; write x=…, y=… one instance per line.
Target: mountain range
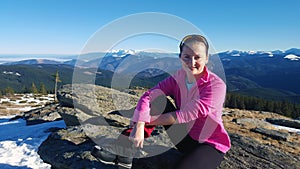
x=267, y=74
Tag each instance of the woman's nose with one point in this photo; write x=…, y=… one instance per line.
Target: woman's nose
x=193, y=61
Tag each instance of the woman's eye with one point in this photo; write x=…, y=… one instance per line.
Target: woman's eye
x=186, y=57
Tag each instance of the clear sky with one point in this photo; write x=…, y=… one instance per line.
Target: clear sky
x=64, y=26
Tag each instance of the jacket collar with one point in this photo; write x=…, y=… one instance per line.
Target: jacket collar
x=205, y=77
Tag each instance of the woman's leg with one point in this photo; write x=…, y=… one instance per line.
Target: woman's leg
x=198, y=155
x=158, y=106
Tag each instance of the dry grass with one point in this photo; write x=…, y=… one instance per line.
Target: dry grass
x=244, y=129
x=8, y=112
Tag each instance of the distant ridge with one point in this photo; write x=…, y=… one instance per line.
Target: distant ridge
x=268, y=74
x=34, y=62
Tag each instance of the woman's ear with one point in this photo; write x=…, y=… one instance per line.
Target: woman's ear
x=207, y=59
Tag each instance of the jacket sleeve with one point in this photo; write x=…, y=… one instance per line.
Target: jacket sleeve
x=142, y=110
x=209, y=101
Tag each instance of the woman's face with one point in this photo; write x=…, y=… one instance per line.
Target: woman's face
x=193, y=58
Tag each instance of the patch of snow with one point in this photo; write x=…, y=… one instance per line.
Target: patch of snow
x=236, y=54
x=27, y=98
x=292, y=57
x=11, y=73
x=24, y=109
x=293, y=130
x=19, y=143
x=251, y=52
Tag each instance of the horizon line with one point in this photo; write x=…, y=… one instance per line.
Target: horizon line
x=69, y=54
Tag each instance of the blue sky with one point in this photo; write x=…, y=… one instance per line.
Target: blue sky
x=65, y=26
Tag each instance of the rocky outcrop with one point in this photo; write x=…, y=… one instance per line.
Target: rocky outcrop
x=277, y=135
x=285, y=122
x=249, y=153
x=97, y=101
x=97, y=115
x=48, y=113
x=253, y=121
x=71, y=148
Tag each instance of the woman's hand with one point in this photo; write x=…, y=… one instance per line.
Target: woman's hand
x=137, y=134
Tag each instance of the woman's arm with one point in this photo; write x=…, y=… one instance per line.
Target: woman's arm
x=142, y=110
x=163, y=119
x=137, y=134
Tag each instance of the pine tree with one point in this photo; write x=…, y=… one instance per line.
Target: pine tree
x=228, y=97
x=232, y=102
x=57, y=80
x=277, y=108
x=9, y=91
x=25, y=89
x=269, y=106
x=296, y=112
x=240, y=101
x=43, y=89
x=34, y=89
x=286, y=109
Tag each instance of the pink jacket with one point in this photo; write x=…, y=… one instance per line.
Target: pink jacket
x=200, y=107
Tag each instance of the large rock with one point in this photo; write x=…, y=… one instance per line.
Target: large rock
x=285, y=122
x=87, y=95
x=246, y=152
x=45, y=114
x=251, y=121
x=96, y=101
x=71, y=148
x=277, y=135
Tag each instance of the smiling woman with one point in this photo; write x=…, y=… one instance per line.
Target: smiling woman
x=194, y=56
x=200, y=134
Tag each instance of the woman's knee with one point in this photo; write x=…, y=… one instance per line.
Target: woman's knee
x=161, y=105
x=203, y=157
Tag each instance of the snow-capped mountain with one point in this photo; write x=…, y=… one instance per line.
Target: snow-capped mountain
x=246, y=53
x=243, y=69
x=94, y=59
x=269, y=69
x=291, y=54
x=120, y=53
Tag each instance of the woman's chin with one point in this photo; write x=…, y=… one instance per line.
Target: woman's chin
x=195, y=72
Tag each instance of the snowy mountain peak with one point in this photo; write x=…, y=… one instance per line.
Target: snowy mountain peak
x=234, y=52
x=120, y=52
x=269, y=53
x=277, y=52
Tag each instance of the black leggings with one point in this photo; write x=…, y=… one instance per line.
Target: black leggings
x=198, y=155
x=195, y=155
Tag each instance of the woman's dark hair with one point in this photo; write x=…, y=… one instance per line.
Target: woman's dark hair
x=193, y=38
